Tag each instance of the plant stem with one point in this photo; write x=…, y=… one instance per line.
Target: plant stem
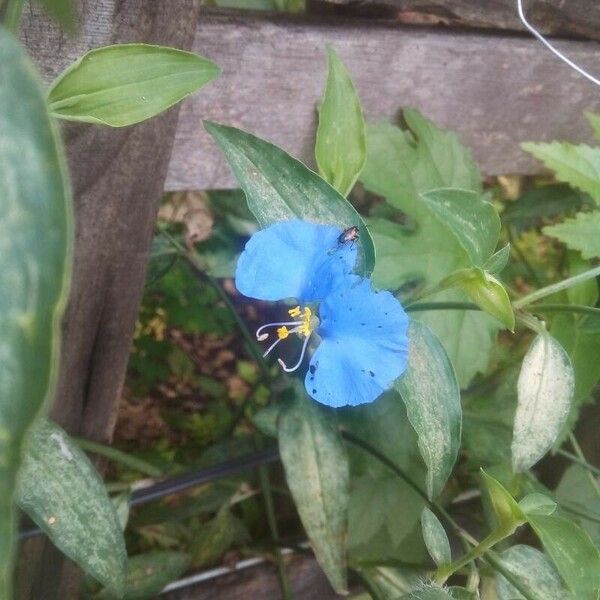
x=572, y=308
x=581, y=456
x=265, y=485
x=578, y=461
x=420, y=306
x=137, y=464
x=556, y=287
x=199, y=269
x=12, y=15
x=465, y=536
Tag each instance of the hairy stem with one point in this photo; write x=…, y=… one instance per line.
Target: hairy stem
x=137, y=464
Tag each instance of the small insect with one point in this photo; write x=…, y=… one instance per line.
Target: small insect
x=349, y=235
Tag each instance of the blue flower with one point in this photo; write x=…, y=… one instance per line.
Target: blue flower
x=362, y=334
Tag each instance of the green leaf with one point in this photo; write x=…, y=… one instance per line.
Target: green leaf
x=432, y=397
x=148, y=574
x=585, y=293
x=389, y=583
x=63, y=493
x=384, y=510
x=594, y=121
x=577, y=165
x=62, y=11
x=400, y=166
x=580, y=233
x=545, y=392
x=496, y=263
x=435, y=538
x=35, y=260
x=127, y=83
x=340, y=148
x=573, y=553
x=473, y=220
x=537, y=504
x=508, y=513
x=279, y=187
x=581, y=341
x=538, y=204
x=266, y=419
x=533, y=569
x=317, y=473
x=217, y=536
x=577, y=491
x=487, y=292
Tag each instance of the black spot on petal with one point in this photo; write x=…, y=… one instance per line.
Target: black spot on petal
x=371, y=374
x=314, y=391
x=312, y=369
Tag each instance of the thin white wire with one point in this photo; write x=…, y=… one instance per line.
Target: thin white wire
x=550, y=47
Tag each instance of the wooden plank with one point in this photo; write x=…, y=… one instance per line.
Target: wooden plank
x=117, y=178
x=575, y=18
x=495, y=91
x=305, y=576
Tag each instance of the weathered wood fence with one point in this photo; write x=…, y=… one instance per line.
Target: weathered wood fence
x=466, y=64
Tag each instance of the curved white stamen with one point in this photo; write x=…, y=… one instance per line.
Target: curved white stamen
x=302, y=353
x=263, y=336
x=273, y=345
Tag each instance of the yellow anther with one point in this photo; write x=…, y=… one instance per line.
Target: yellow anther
x=283, y=332
x=295, y=312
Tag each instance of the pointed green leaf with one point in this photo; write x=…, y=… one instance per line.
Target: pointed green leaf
x=340, y=148
x=62, y=11
x=148, y=574
x=577, y=165
x=62, y=492
x=580, y=233
x=435, y=538
x=534, y=571
x=317, y=473
x=537, y=504
x=508, y=513
x=279, y=187
x=432, y=397
x=573, y=553
x=487, y=292
x=35, y=242
x=496, y=263
x=473, y=221
x=127, y=83
x=545, y=392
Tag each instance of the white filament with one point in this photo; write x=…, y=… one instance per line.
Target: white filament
x=302, y=353
x=550, y=47
x=263, y=336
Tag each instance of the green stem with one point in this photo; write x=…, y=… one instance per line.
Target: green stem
x=12, y=15
x=137, y=464
x=578, y=461
x=421, y=306
x=265, y=485
x=581, y=457
x=556, y=287
x=465, y=536
x=199, y=269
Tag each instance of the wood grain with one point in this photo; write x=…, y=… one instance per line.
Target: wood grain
x=575, y=18
x=495, y=91
x=117, y=178
x=305, y=576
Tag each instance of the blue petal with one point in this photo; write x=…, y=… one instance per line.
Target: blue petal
x=364, y=346
x=293, y=259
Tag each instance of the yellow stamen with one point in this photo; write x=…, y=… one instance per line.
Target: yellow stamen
x=305, y=329
x=294, y=312
x=283, y=332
